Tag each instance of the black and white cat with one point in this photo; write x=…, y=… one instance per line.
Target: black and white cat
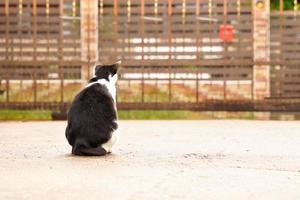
x=92, y=118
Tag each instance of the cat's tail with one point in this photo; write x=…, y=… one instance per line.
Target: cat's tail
x=85, y=151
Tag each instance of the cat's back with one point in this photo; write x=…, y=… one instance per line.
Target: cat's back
x=93, y=95
x=92, y=113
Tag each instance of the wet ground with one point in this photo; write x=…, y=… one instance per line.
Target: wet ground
x=155, y=160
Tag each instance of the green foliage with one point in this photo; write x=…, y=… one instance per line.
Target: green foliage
x=24, y=115
x=32, y=115
x=154, y=114
x=287, y=4
x=181, y=115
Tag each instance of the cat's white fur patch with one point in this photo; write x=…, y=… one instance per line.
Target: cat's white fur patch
x=111, y=143
x=110, y=85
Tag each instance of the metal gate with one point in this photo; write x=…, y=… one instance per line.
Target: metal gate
x=177, y=54
x=285, y=53
x=179, y=50
x=40, y=53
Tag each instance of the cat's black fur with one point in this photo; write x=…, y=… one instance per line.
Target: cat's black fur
x=92, y=117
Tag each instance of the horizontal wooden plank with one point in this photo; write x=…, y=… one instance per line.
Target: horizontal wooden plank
x=74, y=62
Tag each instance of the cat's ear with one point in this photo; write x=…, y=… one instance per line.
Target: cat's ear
x=114, y=72
x=116, y=67
x=97, y=67
x=119, y=62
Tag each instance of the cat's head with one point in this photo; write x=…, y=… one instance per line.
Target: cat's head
x=107, y=72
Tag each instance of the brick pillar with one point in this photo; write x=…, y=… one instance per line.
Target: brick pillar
x=89, y=36
x=261, y=48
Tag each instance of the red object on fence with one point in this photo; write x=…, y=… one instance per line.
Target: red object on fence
x=226, y=32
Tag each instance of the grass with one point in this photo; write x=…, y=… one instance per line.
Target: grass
x=188, y=115
x=156, y=114
x=31, y=115
x=24, y=115
x=37, y=115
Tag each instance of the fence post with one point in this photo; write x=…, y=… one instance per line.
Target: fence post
x=89, y=37
x=261, y=48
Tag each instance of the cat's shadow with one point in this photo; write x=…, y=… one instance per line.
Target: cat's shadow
x=74, y=157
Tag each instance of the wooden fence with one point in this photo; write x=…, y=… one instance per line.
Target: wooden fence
x=175, y=54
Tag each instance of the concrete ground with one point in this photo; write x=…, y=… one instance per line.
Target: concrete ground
x=155, y=160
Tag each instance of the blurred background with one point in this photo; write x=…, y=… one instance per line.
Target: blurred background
x=181, y=59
